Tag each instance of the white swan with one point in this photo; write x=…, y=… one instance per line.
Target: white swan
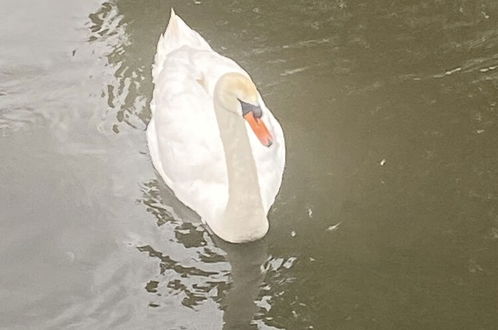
x=211, y=137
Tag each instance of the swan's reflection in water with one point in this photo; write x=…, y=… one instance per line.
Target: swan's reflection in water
x=247, y=275
x=198, y=266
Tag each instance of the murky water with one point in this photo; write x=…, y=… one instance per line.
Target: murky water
x=388, y=214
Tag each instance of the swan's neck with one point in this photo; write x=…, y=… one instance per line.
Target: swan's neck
x=244, y=217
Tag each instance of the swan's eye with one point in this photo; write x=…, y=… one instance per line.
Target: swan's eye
x=248, y=107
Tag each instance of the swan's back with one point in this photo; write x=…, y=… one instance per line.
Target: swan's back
x=183, y=134
x=177, y=35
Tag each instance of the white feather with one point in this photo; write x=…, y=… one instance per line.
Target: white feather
x=183, y=134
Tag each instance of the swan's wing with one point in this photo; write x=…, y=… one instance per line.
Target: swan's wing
x=184, y=138
x=177, y=35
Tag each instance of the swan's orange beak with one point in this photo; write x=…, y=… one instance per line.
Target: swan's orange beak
x=259, y=128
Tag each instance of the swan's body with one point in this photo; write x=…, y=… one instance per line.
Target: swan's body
x=200, y=143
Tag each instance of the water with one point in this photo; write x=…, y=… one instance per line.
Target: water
x=388, y=213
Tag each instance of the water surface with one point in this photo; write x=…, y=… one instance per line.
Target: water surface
x=388, y=213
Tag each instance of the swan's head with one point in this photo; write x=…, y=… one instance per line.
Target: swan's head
x=240, y=97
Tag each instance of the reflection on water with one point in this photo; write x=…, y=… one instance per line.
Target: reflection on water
x=204, y=274
x=127, y=93
x=390, y=114
x=193, y=246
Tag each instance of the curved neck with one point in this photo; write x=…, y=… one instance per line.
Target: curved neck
x=244, y=214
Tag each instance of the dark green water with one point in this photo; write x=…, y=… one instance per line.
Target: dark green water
x=388, y=213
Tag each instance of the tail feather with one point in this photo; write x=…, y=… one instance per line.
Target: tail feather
x=177, y=34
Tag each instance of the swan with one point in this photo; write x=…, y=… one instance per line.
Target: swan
x=211, y=137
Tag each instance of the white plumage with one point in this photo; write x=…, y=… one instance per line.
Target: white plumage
x=216, y=163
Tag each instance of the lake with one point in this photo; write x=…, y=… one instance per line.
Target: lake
x=388, y=213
